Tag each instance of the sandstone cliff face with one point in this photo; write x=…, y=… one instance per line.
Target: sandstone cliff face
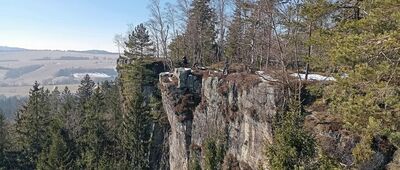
x=237, y=109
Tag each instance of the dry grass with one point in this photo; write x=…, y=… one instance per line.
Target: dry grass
x=185, y=106
x=230, y=163
x=323, y=121
x=233, y=67
x=242, y=81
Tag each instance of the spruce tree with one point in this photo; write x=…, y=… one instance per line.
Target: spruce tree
x=85, y=89
x=32, y=124
x=59, y=154
x=200, y=33
x=136, y=121
x=68, y=111
x=234, y=42
x=54, y=100
x=139, y=44
x=3, y=141
x=293, y=147
x=113, y=118
x=92, y=136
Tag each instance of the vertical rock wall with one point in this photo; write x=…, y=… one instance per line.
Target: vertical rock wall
x=236, y=109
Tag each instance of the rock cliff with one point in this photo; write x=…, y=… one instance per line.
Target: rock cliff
x=236, y=109
x=229, y=117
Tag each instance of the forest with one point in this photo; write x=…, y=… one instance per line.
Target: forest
x=357, y=42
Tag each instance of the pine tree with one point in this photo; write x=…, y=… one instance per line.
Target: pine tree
x=139, y=44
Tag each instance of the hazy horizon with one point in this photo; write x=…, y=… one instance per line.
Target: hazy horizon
x=65, y=50
x=68, y=25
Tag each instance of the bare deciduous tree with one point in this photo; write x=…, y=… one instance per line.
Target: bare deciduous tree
x=159, y=27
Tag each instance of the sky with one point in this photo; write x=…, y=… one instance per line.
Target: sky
x=68, y=24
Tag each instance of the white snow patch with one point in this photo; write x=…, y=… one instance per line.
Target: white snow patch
x=264, y=77
x=316, y=77
x=165, y=74
x=92, y=75
x=344, y=75
x=187, y=69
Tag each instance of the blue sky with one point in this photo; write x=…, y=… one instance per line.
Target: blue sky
x=68, y=24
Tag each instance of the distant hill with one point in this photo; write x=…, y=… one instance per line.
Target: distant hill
x=10, y=49
x=92, y=52
x=14, y=49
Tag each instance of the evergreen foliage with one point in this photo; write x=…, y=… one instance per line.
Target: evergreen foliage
x=33, y=124
x=364, y=48
x=57, y=155
x=54, y=131
x=3, y=140
x=85, y=90
x=109, y=125
x=200, y=33
x=214, y=153
x=292, y=148
x=235, y=39
x=139, y=44
x=136, y=122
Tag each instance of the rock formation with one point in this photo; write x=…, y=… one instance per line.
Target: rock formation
x=237, y=109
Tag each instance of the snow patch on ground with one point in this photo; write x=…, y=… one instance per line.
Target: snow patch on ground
x=315, y=77
x=165, y=74
x=92, y=75
x=264, y=77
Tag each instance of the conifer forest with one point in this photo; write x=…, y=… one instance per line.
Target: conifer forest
x=228, y=84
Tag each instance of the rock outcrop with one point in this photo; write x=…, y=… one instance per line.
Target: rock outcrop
x=234, y=112
x=395, y=164
x=236, y=109
x=338, y=143
x=334, y=140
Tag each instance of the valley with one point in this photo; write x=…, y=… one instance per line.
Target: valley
x=20, y=68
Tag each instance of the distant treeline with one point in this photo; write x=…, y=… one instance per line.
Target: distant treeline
x=20, y=71
x=64, y=58
x=69, y=71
